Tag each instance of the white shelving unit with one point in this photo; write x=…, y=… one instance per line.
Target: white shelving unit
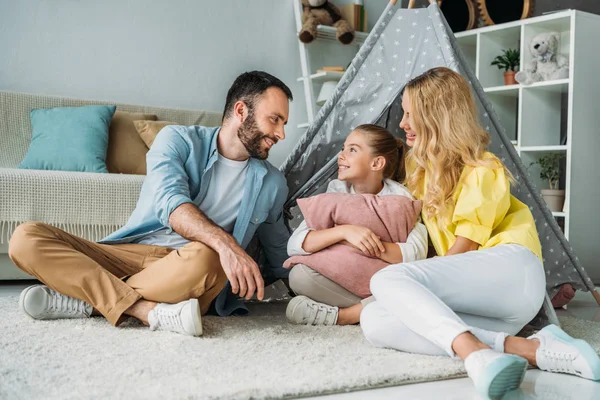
x=560, y=116
x=313, y=81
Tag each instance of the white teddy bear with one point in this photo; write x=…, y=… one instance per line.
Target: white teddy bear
x=546, y=64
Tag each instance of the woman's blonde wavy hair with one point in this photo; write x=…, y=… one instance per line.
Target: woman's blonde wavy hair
x=449, y=137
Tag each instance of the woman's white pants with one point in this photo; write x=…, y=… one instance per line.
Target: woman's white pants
x=422, y=306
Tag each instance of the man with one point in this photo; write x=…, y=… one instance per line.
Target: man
x=206, y=193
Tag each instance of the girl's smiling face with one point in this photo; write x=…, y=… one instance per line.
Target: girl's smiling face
x=354, y=162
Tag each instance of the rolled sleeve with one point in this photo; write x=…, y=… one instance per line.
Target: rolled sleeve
x=166, y=173
x=477, y=233
x=294, y=246
x=482, y=203
x=415, y=247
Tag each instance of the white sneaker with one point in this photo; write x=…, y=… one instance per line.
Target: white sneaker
x=495, y=374
x=302, y=310
x=182, y=318
x=559, y=352
x=41, y=302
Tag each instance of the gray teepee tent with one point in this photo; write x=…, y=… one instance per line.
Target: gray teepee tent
x=403, y=44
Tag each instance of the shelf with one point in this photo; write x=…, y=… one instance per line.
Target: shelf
x=304, y=125
x=321, y=77
x=546, y=21
x=559, y=214
x=556, y=86
x=508, y=90
x=546, y=149
x=329, y=33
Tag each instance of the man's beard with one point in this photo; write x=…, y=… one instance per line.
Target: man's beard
x=252, y=138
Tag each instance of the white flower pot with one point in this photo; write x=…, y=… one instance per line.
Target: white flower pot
x=554, y=199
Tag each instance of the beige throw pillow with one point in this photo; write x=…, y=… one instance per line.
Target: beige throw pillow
x=148, y=130
x=126, y=152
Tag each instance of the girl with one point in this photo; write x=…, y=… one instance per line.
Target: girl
x=489, y=279
x=371, y=162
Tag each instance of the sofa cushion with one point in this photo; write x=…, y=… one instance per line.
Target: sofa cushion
x=126, y=150
x=149, y=129
x=69, y=139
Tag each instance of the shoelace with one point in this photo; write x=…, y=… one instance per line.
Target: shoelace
x=319, y=310
x=62, y=303
x=168, y=319
x=561, y=362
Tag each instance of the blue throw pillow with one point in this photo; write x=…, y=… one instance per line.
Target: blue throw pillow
x=69, y=139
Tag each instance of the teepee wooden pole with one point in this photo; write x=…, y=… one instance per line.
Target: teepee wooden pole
x=596, y=296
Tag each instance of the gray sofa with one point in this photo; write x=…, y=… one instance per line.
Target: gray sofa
x=89, y=205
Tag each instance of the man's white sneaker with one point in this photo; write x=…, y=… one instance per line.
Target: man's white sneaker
x=495, y=374
x=302, y=310
x=41, y=302
x=559, y=352
x=182, y=318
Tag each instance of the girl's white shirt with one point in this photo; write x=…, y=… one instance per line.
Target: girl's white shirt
x=415, y=247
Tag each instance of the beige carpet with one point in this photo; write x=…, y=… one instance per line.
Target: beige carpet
x=260, y=356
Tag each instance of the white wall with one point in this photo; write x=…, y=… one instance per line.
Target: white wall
x=181, y=53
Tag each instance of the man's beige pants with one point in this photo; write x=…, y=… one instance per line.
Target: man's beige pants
x=113, y=277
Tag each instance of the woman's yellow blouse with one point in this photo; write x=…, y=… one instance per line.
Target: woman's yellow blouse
x=486, y=213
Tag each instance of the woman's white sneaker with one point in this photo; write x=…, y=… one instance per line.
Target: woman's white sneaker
x=184, y=317
x=495, y=374
x=559, y=352
x=41, y=302
x=302, y=310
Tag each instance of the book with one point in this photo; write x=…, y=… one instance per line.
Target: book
x=332, y=69
x=355, y=15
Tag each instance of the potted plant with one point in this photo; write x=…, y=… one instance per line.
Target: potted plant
x=508, y=61
x=550, y=171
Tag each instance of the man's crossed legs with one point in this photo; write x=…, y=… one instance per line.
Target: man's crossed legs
x=164, y=288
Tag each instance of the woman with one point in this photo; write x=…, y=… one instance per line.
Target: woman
x=488, y=281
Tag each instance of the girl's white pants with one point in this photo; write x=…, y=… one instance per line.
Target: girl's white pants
x=422, y=306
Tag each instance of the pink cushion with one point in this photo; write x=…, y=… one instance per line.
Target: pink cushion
x=390, y=217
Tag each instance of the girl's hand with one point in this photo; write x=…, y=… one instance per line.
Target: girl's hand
x=364, y=239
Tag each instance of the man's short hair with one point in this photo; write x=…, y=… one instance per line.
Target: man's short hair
x=249, y=86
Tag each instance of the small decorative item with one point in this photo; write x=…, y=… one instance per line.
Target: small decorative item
x=546, y=63
x=460, y=14
x=323, y=12
x=500, y=11
x=509, y=62
x=550, y=171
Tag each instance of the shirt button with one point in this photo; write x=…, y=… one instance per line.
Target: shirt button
x=255, y=219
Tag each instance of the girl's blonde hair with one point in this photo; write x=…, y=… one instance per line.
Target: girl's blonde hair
x=449, y=137
x=383, y=144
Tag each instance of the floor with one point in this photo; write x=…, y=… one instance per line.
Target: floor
x=537, y=384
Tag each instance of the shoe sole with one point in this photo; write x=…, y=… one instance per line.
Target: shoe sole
x=196, y=317
x=501, y=376
x=22, y=300
x=586, y=351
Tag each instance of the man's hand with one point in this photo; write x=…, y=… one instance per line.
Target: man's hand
x=241, y=270
x=364, y=239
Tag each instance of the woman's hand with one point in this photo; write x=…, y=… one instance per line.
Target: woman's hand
x=363, y=239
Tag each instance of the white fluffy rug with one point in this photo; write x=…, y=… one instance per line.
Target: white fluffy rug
x=260, y=356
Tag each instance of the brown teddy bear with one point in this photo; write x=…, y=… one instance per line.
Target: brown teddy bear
x=323, y=12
